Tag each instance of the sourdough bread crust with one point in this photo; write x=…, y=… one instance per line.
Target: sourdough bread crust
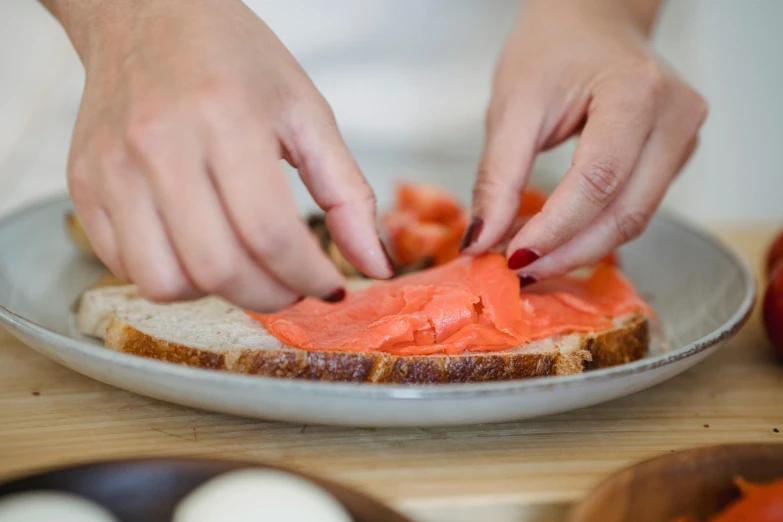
x=625, y=343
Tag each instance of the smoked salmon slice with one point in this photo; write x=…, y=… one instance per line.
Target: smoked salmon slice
x=606, y=292
x=469, y=304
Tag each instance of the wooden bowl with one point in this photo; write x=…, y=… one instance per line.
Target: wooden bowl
x=696, y=482
x=149, y=489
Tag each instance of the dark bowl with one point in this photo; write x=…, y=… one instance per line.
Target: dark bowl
x=148, y=490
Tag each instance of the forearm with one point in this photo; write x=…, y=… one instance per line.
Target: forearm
x=640, y=13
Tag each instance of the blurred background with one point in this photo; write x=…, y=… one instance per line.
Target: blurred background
x=409, y=82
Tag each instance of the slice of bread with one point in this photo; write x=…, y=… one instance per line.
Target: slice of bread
x=210, y=333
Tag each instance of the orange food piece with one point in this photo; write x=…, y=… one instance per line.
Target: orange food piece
x=408, y=311
x=761, y=504
x=746, y=487
x=531, y=202
x=419, y=240
x=397, y=220
x=469, y=304
x=606, y=292
x=448, y=250
x=551, y=316
x=427, y=221
x=428, y=202
x=612, y=258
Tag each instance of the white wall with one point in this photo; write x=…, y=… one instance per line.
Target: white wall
x=408, y=80
x=733, y=51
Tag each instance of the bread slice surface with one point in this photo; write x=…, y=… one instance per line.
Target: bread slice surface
x=210, y=333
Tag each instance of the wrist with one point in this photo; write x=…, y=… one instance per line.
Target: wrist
x=95, y=25
x=639, y=15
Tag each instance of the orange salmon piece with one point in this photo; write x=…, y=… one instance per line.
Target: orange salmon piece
x=551, y=316
x=428, y=202
x=605, y=292
x=531, y=202
x=469, y=304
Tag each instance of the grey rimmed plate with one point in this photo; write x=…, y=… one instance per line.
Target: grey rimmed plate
x=701, y=291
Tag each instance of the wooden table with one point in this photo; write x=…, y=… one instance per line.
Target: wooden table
x=530, y=470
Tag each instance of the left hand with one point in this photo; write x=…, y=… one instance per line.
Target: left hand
x=562, y=71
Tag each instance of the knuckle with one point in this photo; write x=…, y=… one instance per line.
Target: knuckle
x=214, y=274
x=78, y=176
x=305, y=110
x=630, y=225
x=365, y=197
x=600, y=180
x=302, y=96
x=214, y=97
x=267, y=241
x=145, y=132
x=113, y=159
x=491, y=179
x=652, y=80
x=553, y=231
x=699, y=108
x=113, y=166
x=485, y=184
x=492, y=188
x=318, y=105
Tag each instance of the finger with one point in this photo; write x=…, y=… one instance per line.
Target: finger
x=144, y=246
x=98, y=226
x=262, y=209
x=91, y=209
x=608, y=150
x=509, y=150
x=668, y=149
x=203, y=239
x=338, y=186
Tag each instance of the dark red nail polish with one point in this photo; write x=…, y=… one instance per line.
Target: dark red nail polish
x=336, y=296
x=471, y=233
x=521, y=258
x=526, y=280
x=389, y=261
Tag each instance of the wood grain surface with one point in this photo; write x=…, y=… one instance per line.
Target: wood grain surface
x=530, y=470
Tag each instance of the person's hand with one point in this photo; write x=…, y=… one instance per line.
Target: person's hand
x=571, y=66
x=175, y=166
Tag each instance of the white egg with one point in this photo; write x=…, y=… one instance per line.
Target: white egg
x=49, y=506
x=254, y=495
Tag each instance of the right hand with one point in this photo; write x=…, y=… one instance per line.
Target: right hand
x=174, y=168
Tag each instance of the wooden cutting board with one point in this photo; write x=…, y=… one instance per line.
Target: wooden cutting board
x=531, y=470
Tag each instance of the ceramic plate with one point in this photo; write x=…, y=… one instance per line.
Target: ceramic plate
x=700, y=290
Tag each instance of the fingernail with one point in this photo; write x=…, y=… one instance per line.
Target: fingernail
x=389, y=261
x=526, y=280
x=521, y=258
x=471, y=233
x=336, y=296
